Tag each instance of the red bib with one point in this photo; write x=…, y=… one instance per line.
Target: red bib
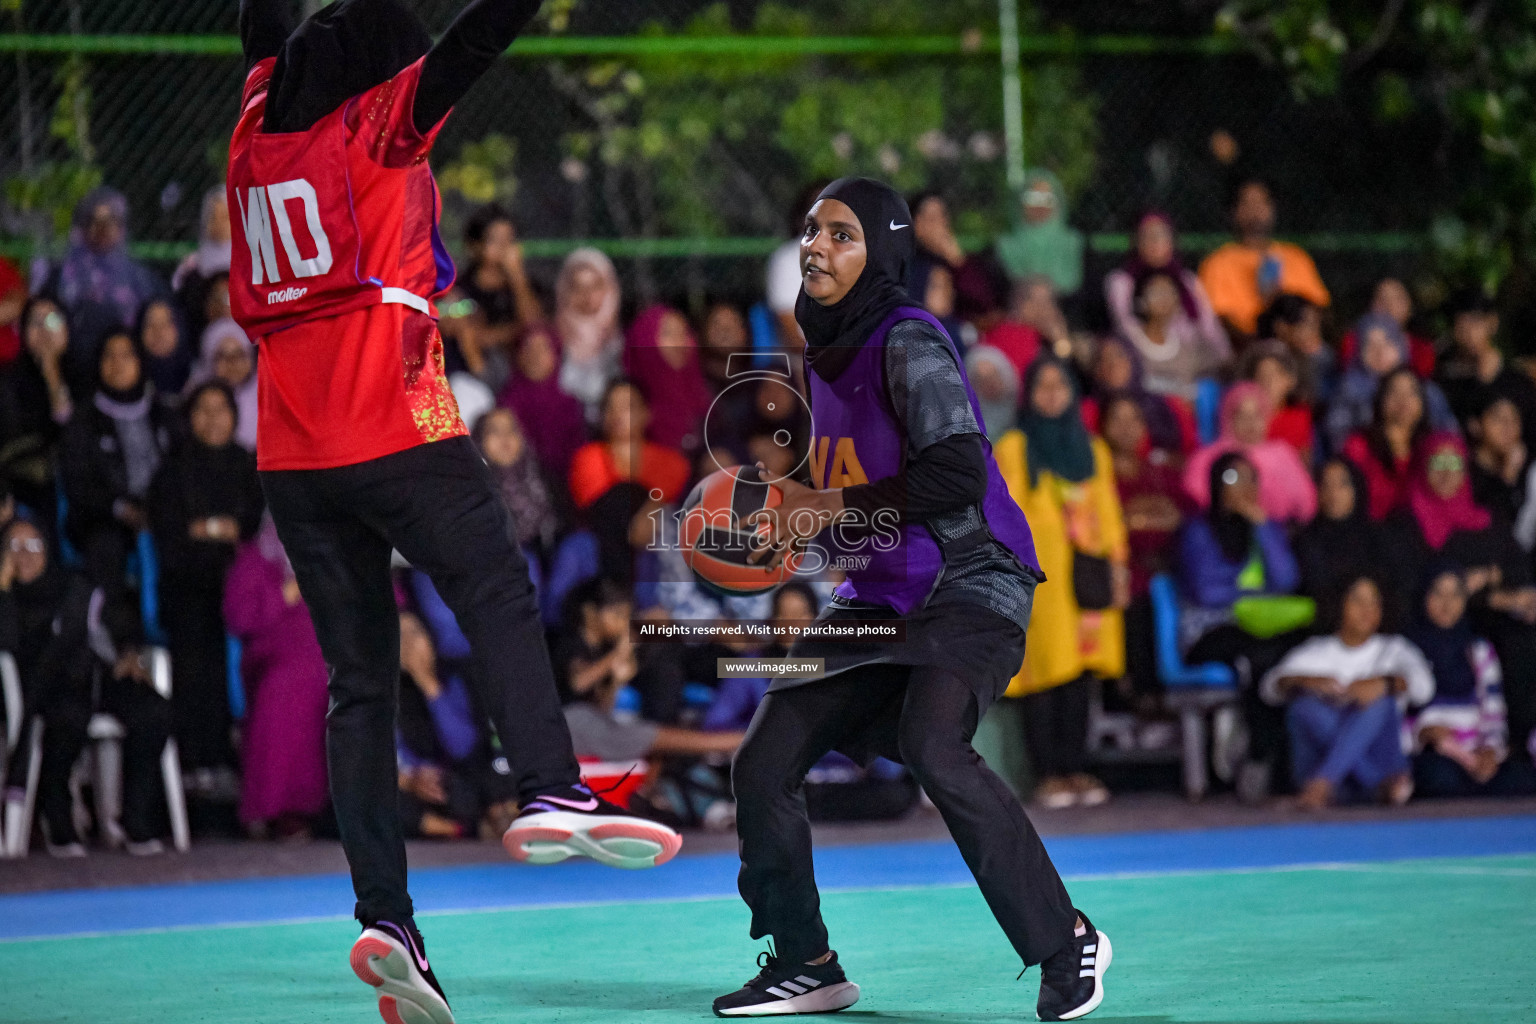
x=322, y=229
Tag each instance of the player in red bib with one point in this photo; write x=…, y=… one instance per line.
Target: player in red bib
x=337, y=266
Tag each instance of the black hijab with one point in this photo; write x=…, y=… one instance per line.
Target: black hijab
x=1234, y=533
x=1448, y=651
x=341, y=51
x=834, y=334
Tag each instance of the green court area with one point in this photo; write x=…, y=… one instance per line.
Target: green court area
x=1425, y=942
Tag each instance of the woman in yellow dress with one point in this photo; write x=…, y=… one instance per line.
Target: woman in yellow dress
x=1063, y=478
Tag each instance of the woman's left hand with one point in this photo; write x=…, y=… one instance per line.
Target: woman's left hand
x=1120, y=585
x=801, y=515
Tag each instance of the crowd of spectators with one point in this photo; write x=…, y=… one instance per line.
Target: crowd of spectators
x=1346, y=507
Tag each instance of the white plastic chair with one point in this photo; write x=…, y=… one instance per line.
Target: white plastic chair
x=105, y=749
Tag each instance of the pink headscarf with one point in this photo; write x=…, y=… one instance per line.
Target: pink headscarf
x=1439, y=517
x=678, y=395
x=1286, y=490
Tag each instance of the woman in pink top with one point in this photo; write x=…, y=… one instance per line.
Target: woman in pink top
x=1286, y=490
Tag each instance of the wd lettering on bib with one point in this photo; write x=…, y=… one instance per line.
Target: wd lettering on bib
x=845, y=470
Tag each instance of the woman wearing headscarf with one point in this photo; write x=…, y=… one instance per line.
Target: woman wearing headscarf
x=1064, y=480
x=1170, y=322
x=167, y=351
x=79, y=651
x=111, y=451
x=1275, y=368
x=970, y=283
x=282, y=745
x=1286, y=492
x=899, y=450
x=587, y=300
x=1461, y=740
x=519, y=481
x=1042, y=242
x=35, y=403
x=204, y=503
x=99, y=285
x=1442, y=522
x=1385, y=449
x=211, y=258
x=553, y=421
x=1383, y=348
x=1118, y=370
x=1343, y=542
x=661, y=356
x=996, y=382
x=225, y=354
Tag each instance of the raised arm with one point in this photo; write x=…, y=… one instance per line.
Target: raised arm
x=476, y=39
x=264, y=26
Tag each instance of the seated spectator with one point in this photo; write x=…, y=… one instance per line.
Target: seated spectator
x=930, y=281
x=195, y=274
x=1032, y=304
x=1274, y=367
x=495, y=279
x=1153, y=504
x=1243, y=276
x=452, y=782
x=1018, y=341
x=1474, y=367
x=1443, y=522
x=1161, y=307
x=587, y=300
x=1118, y=370
x=228, y=356
x=596, y=658
x=1286, y=493
x=167, y=352
x=1344, y=696
x=612, y=479
x=1500, y=462
x=1343, y=543
x=1384, y=450
x=1063, y=478
x=78, y=651
x=13, y=299
x=499, y=435
x=282, y=746
x=477, y=363
x=661, y=356
x=1391, y=299
x=996, y=384
x=972, y=283
x=98, y=284
x=204, y=503
x=1383, y=348
x=1460, y=738
x=111, y=451
x=1298, y=324
x=782, y=280
x=35, y=404
x=552, y=420
x=1042, y=243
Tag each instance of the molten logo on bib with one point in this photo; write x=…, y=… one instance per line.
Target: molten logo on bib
x=286, y=295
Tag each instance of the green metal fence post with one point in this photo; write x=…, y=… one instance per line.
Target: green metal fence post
x=1013, y=93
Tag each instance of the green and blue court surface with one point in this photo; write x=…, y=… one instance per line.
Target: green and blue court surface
x=1413, y=922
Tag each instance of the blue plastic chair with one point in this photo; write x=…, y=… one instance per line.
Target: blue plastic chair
x=575, y=561
x=1193, y=691
x=1208, y=394
x=149, y=589
x=233, y=651
x=69, y=557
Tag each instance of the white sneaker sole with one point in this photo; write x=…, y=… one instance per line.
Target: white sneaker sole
x=821, y=1000
x=404, y=995
x=1101, y=959
x=617, y=841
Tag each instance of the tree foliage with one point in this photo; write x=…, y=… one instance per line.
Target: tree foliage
x=1472, y=63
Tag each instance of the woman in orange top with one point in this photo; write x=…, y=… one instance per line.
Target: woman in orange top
x=618, y=481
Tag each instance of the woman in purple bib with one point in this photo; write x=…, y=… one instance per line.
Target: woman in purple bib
x=906, y=499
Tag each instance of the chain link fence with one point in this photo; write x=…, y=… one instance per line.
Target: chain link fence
x=678, y=133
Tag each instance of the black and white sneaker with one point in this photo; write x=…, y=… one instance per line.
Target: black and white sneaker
x=392, y=958
x=1072, y=981
x=575, y=822
x=782, y=987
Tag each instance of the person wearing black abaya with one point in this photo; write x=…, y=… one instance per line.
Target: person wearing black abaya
x=362, y=449
x=204, y=503
x=889, y=394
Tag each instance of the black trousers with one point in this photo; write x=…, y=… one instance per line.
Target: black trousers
x=437, y=505
x=194, y=624
x=938, y=713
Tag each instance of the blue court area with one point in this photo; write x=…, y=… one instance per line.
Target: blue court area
x=1377, y=923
